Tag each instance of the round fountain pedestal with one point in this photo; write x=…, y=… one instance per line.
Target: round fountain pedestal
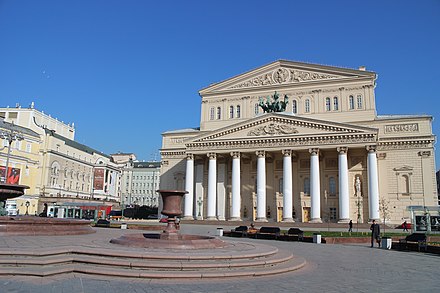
x=170, y=237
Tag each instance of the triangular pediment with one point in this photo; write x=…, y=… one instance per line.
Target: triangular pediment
x=283, y=72
x=282, y=125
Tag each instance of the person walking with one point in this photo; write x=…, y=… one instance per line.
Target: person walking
x=405, y=227
x=350, y=226
x=375, y=233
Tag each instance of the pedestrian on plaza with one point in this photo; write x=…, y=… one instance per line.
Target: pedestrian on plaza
x=405, y=227
x=375, y=233
x=350, y=226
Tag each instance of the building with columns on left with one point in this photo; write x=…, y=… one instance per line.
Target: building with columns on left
x=327, y=157
x=70, y=178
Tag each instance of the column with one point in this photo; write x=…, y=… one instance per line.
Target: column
x=236, y=196
x=373, y=184
x=212, y=185
x=287, y=186
x=189, y=186
x=315, y=188
x=261, y=186
x=344, y=198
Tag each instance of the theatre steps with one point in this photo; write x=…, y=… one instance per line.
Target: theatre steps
x=237, y=260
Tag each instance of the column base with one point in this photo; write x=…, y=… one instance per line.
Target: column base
x=288, y=220
x=221, y=219
x=235, y=219
x=188, y=218
x=316, y=220
x=211, y=219
x=199, y=218
x=261, y=219
x=344, y=221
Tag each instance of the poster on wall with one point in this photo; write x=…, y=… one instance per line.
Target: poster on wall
x=13, y=175
x=98, y=179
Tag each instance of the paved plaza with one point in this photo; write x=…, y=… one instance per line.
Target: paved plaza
x=329, y=268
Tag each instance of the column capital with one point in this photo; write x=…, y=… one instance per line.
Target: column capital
x=371, y=148
x=189, y=156
x=287, y=153
x=212, y=156
x=342, y=150
x=235, y=155
x=260, y=154
x=314, y=151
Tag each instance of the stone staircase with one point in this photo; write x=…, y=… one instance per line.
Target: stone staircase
x=236, y=260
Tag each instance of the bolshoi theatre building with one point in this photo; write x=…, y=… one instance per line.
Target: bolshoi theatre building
x=327, y=156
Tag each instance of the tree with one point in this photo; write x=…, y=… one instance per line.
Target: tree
x=384, y=209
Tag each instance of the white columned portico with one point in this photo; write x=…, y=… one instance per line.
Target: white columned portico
x=344, y=197
x=188, y=213
x=212, y=187
x=287, y=186
x=315, y=188
x=373, y=184
x=236, y=196
x=261, y=186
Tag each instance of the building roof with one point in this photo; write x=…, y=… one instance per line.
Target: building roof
x=76, y=145
x=146, y=164
x=17, y=128
x=195, y=129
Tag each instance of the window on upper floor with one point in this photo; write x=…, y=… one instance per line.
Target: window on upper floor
x=307, y=106
x=256, y=109
x=231, y=112
x=281, y=185
x=238, y=111
x=351, y=102
x=327, y=104
x=294, y=107
x=332, y=213
x=359, y=102
x=211, y=113
x=28, y=147
x=219, y=113
x=306, y=187
x=335, y=104
x=332, y=186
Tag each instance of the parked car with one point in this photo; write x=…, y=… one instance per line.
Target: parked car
x=408, y=226
x=163, y=220
x=152, y=216
x=102, y=223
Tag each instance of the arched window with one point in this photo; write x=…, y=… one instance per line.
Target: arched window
x=332, y=186
x=294, y=107
x=256, y=109
x=351, y=102
x=219, y=113
x=327, y=104
x=306, y=186
x=211, y=113
x=359, y=102
x=238, y=111
x=231, y=112
x=335, y=104
x=307, y=106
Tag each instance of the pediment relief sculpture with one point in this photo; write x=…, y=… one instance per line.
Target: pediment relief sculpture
x=283, y=76
x=272, y=129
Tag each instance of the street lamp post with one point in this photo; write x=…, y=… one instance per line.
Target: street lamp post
x=199, y=203
x=27, y=204
x=10, y=136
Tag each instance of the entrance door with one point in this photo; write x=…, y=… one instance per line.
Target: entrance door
x=280, y=214
x=306, y=214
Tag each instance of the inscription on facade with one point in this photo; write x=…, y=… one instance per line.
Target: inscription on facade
x=410, y=127
x=177, y=140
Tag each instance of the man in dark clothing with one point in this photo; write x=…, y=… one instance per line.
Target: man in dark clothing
x=375, y=233
x=405, y=227
x=350, y=226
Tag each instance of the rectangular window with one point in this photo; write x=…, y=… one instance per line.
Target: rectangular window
x=332, y=213
x=359, y=102
x=238, y=111
x=3, y=115
x=13, y=115
x=28, y=147
x=351, y=102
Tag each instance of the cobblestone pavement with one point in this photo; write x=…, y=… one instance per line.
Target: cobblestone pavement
x=330, y=268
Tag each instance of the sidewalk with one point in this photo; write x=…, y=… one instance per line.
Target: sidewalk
x=330, y=268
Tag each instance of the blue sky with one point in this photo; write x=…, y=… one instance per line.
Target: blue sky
x=116, y=67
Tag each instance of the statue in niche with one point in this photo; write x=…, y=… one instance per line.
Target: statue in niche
x=276, y=105
x=357, y=184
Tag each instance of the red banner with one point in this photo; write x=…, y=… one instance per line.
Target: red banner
x=98, y=179
x=13, y=175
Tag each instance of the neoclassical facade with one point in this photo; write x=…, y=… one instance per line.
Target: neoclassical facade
x=327, y=157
